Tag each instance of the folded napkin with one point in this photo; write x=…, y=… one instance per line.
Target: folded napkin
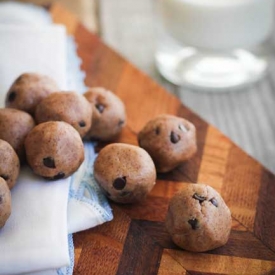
x=19, y=13
x=30, y=234
x=35, y=239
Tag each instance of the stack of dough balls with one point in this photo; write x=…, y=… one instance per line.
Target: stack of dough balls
x=53, y=148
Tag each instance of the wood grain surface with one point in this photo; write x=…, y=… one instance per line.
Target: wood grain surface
x=136, y=241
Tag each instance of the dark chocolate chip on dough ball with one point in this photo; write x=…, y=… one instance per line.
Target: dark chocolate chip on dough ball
x=126, y=173
x=109, y=115
x=54, y=150
x=9, y=163
x=169, y=140
x=14, y=127
x=198, y=219
x=69, y=107
x=5, y=202
x=28, y=90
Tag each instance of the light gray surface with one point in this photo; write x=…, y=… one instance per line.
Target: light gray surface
x=246, y=116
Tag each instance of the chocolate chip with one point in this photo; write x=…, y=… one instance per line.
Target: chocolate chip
x=100, y=107
x=82, y=123
x=183, y=128
x=174, y=137
x=5, y=177
x=121, y=122
x=12, y=96
x=199, y=198
x=194, y=223
x=59, y=176
x=1, y=199
x=157, y=131
x=214, y=202
x=49, y=162
x=119, y=183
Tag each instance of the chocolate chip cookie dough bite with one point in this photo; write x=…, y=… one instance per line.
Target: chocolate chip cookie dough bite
x=28, y=90
x=169, y=140
x=198, y=219
x=14, y=127
x=109, y=115
x=69, y=107
x=5, y=202
x=54, y=150
x=9, y=163
x=126, y=173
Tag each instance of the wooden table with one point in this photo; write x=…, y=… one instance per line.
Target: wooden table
x=136, y=241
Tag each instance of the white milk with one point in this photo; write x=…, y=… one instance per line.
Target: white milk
x=218, y=24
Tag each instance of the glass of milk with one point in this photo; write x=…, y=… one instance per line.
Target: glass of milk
x=214, y=44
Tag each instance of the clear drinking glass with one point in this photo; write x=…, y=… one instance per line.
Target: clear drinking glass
x=214, y=44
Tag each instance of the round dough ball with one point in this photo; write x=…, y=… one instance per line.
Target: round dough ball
x=198, y=218
x=169, y=140
x=126, y=173
x=109, y=115
x=5, y=202
x=69, y=107
x=14, y=127
x=28, y=90
x=54, y=150
x=9, y=163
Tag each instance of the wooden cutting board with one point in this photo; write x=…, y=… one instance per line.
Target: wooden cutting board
x=136, y=241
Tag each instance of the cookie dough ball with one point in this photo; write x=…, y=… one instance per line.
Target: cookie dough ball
x=54, y=150
x=169, y=140
x=5, y=202
x=198, y=218
x=14, y=127
x=126, y=173
x=108, y=114
x=69, y=107
x=9, y=163
x=28, y=90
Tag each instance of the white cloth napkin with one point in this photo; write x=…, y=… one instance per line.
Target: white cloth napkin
x=30, y=234
x=35, y=239
x=20, y=13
